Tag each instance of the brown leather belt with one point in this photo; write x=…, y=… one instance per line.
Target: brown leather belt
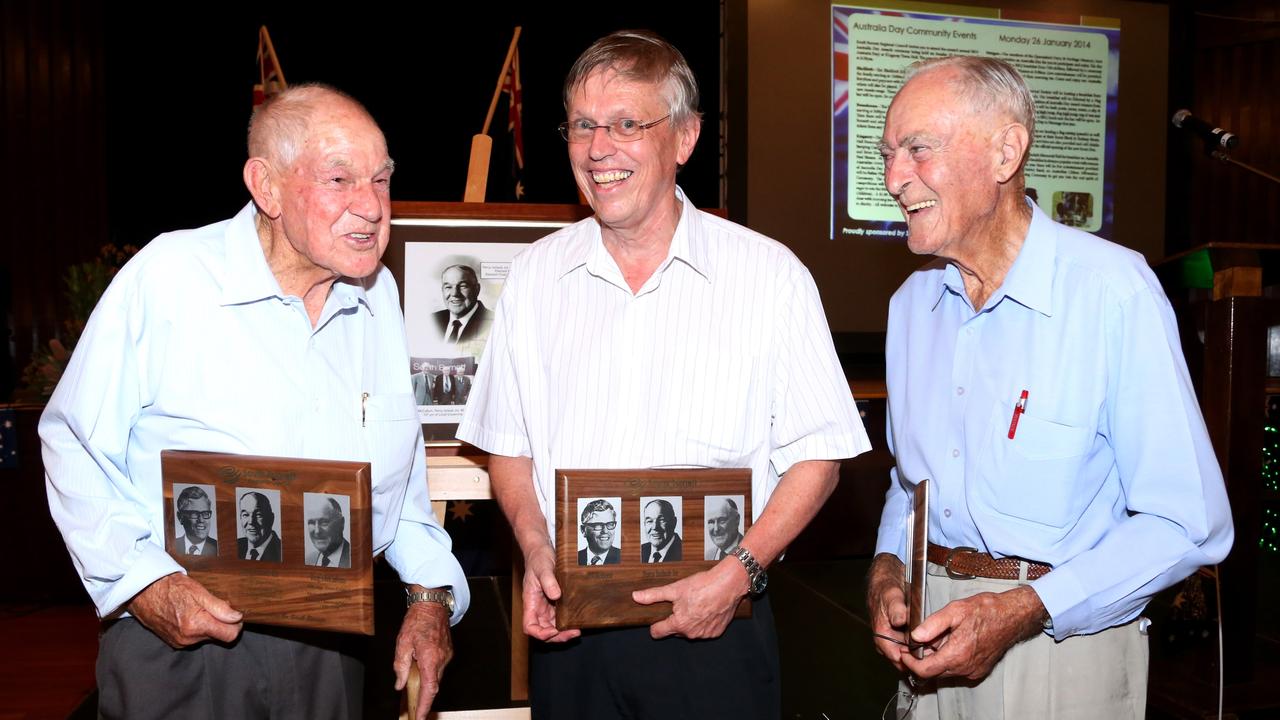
x=963, y=563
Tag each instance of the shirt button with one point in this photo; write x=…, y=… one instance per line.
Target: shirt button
x=955, y=453
x=960, y=391
x=968, y=331
x=947, y=512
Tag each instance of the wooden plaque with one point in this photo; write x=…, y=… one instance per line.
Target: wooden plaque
x=600, y=595
x=286, y=584
x=917, y=569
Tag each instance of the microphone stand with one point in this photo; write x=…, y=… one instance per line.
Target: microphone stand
x=1224, y=157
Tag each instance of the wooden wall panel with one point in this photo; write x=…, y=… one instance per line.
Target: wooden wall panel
x=52, y=109
x=1234, y=76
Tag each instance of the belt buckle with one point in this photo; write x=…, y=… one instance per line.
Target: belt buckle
x=951, y=556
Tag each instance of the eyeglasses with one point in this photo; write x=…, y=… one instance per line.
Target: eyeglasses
x=620, y=130
x=600, y=527
x=193, y=515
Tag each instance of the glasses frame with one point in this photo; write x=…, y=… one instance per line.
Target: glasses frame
x=641, y=129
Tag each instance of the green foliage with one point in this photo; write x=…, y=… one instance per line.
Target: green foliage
x=83, y=285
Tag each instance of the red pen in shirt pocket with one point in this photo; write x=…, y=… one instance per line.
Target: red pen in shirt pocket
x=1018, y=409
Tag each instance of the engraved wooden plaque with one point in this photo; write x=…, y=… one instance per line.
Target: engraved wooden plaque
x=598, y=566
x=291, y=538
x=917, y=570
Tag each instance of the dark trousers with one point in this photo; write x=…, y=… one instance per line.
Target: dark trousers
x=626, y=674
x=265, y=673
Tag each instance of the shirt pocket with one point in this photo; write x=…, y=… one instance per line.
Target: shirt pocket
x=391, y=434
x=1036, y=476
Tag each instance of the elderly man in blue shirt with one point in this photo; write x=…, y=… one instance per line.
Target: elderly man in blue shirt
x=1035, y=379
x=277, y=332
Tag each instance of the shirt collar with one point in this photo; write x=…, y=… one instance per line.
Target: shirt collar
x=1029, y=281
x=247, y=278
x=688, y=245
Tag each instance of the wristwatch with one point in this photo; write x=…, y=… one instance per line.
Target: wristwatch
x=443, y=597
x=756, y=575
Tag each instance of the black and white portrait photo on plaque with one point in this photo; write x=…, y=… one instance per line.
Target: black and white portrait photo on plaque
x=600, y=535
x=450, y=293
x=197, y=520
x=328, y=537
x=258, y=524
x=724, y=525
x=660, y=526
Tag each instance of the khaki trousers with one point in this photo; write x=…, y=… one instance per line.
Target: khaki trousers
x=1087, y=677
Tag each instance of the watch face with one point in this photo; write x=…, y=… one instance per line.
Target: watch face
x=759, y=583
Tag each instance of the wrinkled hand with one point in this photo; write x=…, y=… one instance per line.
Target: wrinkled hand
x=701, y=605
x=181, y=612
x=887, y=605
x=540, y=593
x=969, y=636
x=424, y=637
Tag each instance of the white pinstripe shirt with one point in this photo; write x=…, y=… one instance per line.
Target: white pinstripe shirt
x=722, y=359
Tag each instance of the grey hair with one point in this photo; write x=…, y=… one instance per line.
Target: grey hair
x=190, y=494
x=987, y=83
x=596, y=506
x=278, y=127
x=465, y=268
x=640, y=56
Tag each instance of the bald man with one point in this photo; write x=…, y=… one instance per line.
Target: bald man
x=293, y=326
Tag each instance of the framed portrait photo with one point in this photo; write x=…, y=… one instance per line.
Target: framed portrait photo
x=451, y=262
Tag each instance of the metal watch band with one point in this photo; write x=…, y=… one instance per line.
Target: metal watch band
x=756, y=576
x=441, y=597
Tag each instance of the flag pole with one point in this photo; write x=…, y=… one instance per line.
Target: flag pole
x=265, y=37
x=482, y=144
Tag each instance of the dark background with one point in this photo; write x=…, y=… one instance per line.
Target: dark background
x=180, y=93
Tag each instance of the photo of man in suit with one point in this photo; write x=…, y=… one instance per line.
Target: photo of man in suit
x=325, y=526
x=260, y=541
x=464, y=317
x=195, y=515
x=724, y=525
x=599, y=522
x=659, y=525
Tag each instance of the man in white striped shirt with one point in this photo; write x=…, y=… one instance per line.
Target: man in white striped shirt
x=652, y=335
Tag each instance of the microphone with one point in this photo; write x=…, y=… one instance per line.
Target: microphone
x=1214, y=136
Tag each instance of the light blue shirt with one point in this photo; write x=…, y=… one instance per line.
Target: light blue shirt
x=1109, y=478
x=195, y=347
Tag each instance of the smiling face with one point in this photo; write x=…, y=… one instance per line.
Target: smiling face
x=722, y=526
x=659, y=523
x=334, y=201
x=598, y=529
x=940, y=159
x=325, y=528
x=196, y=515
x=256, y=518
x=461, y=290
x=629, y=185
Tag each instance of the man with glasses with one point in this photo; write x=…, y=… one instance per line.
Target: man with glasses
x=195, y=514
x=598, y=525
x=598, y=359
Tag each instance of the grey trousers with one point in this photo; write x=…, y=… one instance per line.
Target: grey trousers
x=265, y=673
x=1086, y=677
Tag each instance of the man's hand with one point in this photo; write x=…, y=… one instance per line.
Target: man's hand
x=181, y=612
x=424, y=636
x=886, y=603
x=969, y=636
x=540, y=593
x=701, y=605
